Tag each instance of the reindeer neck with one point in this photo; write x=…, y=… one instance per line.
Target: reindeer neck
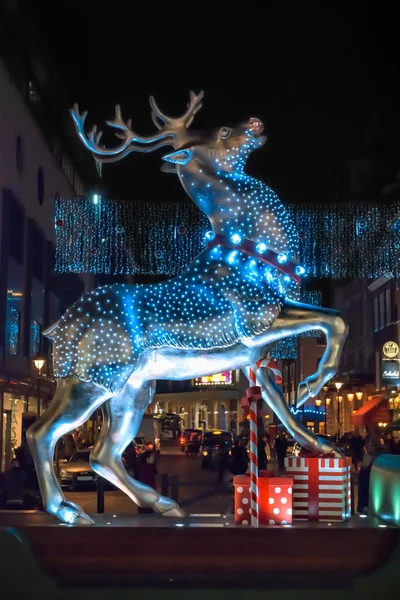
x=237, y=204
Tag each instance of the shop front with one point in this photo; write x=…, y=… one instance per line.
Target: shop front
x=374, y=414
x=19, y=410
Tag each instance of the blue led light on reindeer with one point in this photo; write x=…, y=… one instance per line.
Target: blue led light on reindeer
x=224, y=312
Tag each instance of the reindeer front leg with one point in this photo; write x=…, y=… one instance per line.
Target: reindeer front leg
x=122, y=416
x=273, y=396
x=296, y=318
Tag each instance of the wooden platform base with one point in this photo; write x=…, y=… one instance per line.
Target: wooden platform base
x=202, y=550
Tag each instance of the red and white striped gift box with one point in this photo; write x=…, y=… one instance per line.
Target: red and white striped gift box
x=321, y=488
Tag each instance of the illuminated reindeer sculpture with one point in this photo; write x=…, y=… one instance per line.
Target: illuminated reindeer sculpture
x=225, y=312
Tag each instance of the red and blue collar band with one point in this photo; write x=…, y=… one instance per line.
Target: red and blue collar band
x=268, y=257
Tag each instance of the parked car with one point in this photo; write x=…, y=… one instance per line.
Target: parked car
x=190, y=436
x=129, y=456
x=150, y=429
x=211, y=443
x=77, y=472
x=142, y=445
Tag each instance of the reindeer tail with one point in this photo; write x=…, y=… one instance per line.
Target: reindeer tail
x=50, y=332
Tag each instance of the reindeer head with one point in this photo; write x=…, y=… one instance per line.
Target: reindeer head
x=226, y=149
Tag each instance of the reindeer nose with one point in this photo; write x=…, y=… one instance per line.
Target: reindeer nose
x=256, y=126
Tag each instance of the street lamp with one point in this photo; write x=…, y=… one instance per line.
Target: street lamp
x=359, y=395
x=338, y=385
x=38, y=361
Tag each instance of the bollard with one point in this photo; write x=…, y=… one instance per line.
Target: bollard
x=100, y=495
x=174, y=488
x=164, y=484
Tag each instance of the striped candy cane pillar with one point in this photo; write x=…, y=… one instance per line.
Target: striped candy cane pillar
x=253, y=394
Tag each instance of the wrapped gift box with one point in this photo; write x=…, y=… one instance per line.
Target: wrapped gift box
x=321, y=488
x=275, y=505
x=275, y=499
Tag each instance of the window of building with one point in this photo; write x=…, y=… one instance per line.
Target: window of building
x=388, y=307
x=40, y=185
x=13, y=328
x=19, y=156
x=37, y=250
x=381, y=311
x=376, y=314
x=34, y=342
x=16, y=232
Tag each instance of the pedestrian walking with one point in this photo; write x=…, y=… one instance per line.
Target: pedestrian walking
x=281, y=446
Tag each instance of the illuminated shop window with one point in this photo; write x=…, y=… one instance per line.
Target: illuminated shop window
x=13, y=329
x=34, y=344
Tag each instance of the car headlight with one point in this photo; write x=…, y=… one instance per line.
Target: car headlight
x=63, y=473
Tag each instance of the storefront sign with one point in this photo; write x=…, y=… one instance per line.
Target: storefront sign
x=224, y=378
x=390, y=372
x=390, y=349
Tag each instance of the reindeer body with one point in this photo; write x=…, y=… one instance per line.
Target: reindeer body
x=229, y=307
x=223, y=298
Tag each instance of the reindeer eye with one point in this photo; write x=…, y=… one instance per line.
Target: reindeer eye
x=224, y=133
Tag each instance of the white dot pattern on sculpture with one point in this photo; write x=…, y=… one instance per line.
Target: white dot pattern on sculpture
x=245, y=501
x=240, y=511
x=240, y=490
x=271, y=501
x=276, y=511
x=284, y=500
x=277, y=490
x=271, y=522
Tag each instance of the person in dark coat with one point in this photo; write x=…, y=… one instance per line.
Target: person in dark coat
x=262, y=454
x=240, y=458
x=148, y=474
x=356, y=446
x=221, y=463
x=364, y=475
x=281, y=446
x=14, y=482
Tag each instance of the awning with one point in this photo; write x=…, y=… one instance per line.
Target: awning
x=358, y=416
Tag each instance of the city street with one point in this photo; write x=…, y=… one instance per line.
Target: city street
x=197, y=487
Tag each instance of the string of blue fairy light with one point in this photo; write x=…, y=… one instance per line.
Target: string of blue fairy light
x=98, y=235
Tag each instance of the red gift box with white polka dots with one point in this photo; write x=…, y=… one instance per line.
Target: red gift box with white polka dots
x=274, y=500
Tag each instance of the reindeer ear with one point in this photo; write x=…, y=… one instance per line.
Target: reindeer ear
x=169, y=168
x=180, y=157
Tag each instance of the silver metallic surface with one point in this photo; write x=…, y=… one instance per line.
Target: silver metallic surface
x=225, y=312
x=384, y=489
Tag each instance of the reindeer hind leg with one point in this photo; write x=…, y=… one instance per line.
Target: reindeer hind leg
x=73, y=403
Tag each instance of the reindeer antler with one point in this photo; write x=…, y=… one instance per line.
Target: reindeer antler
x=131, y=141
x=161, y=121
x=173, y=129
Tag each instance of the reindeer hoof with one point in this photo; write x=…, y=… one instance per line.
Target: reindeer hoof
x=168, y=508
x=71, y=514
x=328, y=448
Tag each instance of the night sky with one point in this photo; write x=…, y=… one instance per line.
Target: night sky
x=316, y=79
